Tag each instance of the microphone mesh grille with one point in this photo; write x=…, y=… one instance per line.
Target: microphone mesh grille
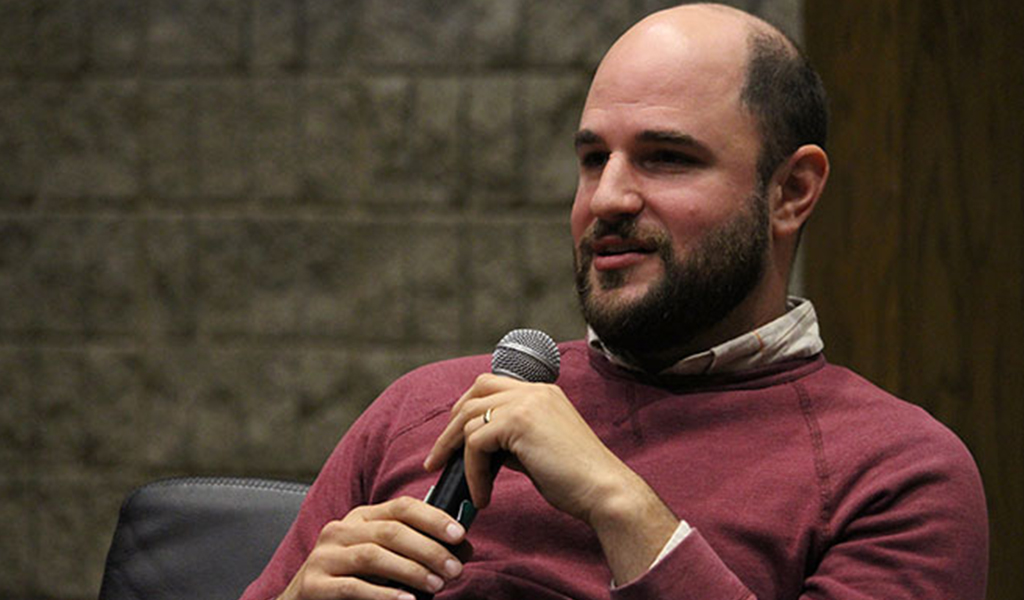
x=528, y=355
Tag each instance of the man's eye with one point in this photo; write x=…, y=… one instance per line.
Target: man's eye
x=593, y=160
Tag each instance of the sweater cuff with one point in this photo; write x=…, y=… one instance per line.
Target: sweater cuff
x=690, y=571
x=682, y=530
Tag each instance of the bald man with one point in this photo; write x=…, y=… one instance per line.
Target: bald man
x=697, y=444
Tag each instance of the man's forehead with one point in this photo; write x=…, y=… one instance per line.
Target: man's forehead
x=656, y=89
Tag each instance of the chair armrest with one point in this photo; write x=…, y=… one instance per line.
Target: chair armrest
x=197, y=537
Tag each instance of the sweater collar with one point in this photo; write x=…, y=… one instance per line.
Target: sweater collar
x=793, y=335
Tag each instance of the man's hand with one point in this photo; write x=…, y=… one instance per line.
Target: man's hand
x=569, y=465
x=395, y=541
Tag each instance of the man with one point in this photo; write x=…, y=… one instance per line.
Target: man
x=698, y=445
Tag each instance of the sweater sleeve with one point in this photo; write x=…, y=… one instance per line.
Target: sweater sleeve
x=911, y=523
x=691, y=571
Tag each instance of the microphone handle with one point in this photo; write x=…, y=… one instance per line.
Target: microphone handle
x=451, y=494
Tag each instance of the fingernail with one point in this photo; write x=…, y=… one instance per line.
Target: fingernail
x=434, y=583
x=454, y=531
x=405, y=596
x=452, y=568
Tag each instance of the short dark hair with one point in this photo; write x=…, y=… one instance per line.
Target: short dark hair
x=787, y=96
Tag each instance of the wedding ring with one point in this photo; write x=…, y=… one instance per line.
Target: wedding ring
x=487, y=416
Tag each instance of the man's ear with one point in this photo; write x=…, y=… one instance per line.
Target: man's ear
x=801, y=179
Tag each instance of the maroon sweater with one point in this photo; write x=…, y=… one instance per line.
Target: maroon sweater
x=801, y=480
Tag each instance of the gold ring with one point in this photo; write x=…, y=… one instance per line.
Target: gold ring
x=487, y=416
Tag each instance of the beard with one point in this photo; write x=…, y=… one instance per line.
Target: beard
x=694, y=293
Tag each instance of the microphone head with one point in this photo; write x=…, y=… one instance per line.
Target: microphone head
x=527, y=355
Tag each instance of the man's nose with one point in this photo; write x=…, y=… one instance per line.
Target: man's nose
x=617, y=196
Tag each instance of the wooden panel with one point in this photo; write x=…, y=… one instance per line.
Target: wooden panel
x=856, y=216
x=915, y=257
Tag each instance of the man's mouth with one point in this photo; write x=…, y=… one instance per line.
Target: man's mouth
x=612, y=252
x=612, y=247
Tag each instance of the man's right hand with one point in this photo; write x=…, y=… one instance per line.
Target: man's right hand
x=376, y=546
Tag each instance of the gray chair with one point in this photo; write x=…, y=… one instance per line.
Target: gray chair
x=197, y=537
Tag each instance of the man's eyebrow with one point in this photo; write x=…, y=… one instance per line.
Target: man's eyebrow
x=586, y=137
x=670, y=137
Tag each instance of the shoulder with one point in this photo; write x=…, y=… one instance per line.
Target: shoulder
x=870, y=436
x=889, y=470
x=436, y=386
x=445, y=375
x=431, y=387
x=415, y=403
x=841, y=398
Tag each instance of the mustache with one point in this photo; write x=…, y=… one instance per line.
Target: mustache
x=627, y=229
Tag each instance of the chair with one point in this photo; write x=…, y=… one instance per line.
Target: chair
x=197, y=537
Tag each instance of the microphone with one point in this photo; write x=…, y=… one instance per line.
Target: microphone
x=523, y=354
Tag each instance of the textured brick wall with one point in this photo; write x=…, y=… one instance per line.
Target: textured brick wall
x=226, y=225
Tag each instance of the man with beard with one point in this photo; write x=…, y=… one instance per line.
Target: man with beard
x=697, y=444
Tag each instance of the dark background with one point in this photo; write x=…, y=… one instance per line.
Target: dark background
x=226, y=225
x=915, y=259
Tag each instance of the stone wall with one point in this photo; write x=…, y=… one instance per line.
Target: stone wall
x=226, y=225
